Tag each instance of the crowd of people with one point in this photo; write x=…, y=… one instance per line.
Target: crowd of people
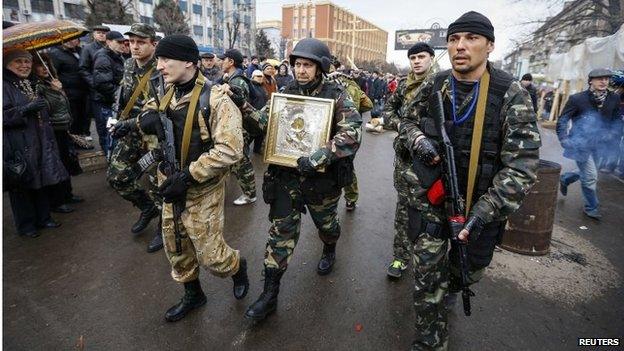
x=217, y=107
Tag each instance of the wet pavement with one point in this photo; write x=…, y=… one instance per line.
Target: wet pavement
x=91, y=285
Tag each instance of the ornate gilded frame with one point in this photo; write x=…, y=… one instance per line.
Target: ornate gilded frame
x=297, y=126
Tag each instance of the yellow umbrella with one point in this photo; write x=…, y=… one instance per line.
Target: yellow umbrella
x=40, y=35
x=273, y=62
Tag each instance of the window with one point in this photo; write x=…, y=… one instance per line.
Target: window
x=209, y=32
x=183, y=6
x=198, y=31
x=74, y=11
x=148, y=20
x=11, y=4
x=151, y=2
x=42, y=6
x=197, y=9
x=294, y=33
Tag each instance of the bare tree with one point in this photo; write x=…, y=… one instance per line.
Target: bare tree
x=109, y=11
x=170, y=18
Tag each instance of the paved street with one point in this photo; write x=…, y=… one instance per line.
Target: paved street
x=91, y=284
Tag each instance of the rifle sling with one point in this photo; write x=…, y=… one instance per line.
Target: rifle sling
x=477, y=133
x=135, y=94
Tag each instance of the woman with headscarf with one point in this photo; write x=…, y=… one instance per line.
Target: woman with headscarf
x=283, y=77
x=31, y=161
x=51, y=89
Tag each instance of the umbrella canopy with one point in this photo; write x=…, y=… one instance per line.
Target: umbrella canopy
x=39, y=35
x=273, y=62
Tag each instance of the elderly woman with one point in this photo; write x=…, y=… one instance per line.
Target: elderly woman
x=28, y=144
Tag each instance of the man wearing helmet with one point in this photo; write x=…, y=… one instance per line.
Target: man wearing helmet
x=289, y=191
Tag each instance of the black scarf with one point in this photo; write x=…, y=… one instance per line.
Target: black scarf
x=309, y=88
x=185, y=88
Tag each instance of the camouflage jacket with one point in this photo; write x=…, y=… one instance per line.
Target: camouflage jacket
x=346, y=124
x=223, y=129
x=397, y=103
x=519, y=155
x=362, y=102
x=131, y=76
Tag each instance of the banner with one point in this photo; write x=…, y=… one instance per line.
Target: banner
x=404, y=39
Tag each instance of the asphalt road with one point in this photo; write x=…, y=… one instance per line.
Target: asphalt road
x=91, y=285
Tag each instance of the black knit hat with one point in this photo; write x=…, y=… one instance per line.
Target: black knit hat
x=178, y=47
x=472, y=22
x=420, y=47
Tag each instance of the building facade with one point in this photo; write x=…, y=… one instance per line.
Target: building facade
x=214, y=24
x=517, y=63
x=346, y=34
x=273, y=31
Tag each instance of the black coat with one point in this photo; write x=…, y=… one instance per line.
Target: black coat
x=32, y=135
x=259, y=98
x=68, y=69
x=108, y=69
x=592, y=128
x=87, y=58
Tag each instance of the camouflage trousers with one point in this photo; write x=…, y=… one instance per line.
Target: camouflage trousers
x=244, y=172
x=285, y=216
x=435, y=275
x=401, y=244
x=351, y=191
x=123, y=173
x=201, y=231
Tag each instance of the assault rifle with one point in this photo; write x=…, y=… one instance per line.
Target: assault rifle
x=455, y=205
x=167, y=146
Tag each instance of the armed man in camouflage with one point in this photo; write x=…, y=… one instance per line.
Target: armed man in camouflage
x=124, y=172
x=421, y=59
x=289, y=191
x=237, y=86
x=507, y=168
x=364, y=105
x=208, y=140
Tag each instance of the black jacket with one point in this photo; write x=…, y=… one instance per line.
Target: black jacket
x=533, y=93
x=68, y=69
x=87, y=58
x=259, y=97
x=108, y=68
x=30, y=134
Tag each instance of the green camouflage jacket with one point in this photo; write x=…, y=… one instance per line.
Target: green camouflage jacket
x=362, y=102
x=519, y=154
x=131, y=76
x=395, y=107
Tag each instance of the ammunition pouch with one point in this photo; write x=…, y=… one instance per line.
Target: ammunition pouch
x=481, y=251
x=417, y=224
x=269, y=187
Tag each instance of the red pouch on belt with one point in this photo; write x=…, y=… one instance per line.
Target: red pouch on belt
x=435, y=194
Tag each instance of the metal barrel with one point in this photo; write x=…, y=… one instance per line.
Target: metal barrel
x=528, y=230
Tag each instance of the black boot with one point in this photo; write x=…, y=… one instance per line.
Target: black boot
x=148, y=212
x=193, y=297
x=328, y=258
x=157, y=241
x=241, y=281
x=267, y=302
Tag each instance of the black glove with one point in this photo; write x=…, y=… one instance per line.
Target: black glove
x=36, y=105
x=304, y=166
x=425, y=150
x=238, y=96
x=174, y=188
x=149, y=123
x=474, y=226
x=122, y=128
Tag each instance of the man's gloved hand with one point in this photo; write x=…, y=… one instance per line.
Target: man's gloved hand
x=149, y=122
x=237, y=96
x=122, y=128
x=426, y=151
x=472, y=229
x=110, y=123
x=174, y=188
x=304, y=166
x=36, y=105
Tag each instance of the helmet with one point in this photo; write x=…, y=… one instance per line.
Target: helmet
x=312, y=49
x=618, y=78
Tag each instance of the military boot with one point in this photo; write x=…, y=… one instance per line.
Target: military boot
x=148, y=212
x=328, y=258
x=193, y=297
x=157, y=241
x=241, y=281
x=267, y=302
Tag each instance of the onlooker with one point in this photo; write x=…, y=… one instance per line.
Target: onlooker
x=87, y=58
x=270, y=85
x=253, y=65
x=209, y=68
x=527, y=83
x=108, y=70
x=392, y=84
x=51, y=89
x=260, y=95
x=283, y=77
x=593, y=114
x=31, y=161
x=66, y=61
x=618, y=83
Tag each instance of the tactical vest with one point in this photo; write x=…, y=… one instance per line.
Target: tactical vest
x=461, y=135
x=197, y=146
